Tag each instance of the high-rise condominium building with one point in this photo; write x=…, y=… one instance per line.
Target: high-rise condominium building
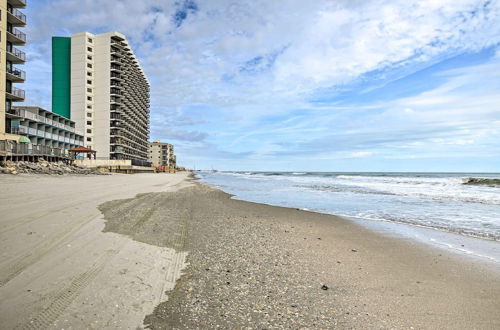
x=98, y=83
x=11, y=19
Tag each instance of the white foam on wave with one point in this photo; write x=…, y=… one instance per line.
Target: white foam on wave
x=448, y=188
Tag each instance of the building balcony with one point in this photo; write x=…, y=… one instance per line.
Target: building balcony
x=16, y=75
x=20, y=130
x=15, y=94
x=16, y=37
x=115, y=116
x=15, y=55
x=13, y=114
x=117, y=149
x=116, y=91
x=116, y=52
x=16, y=17
x=17, y=3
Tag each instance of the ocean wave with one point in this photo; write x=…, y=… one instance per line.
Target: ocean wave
x=431, y=196
x=438, y=200
x=482, y=181
x=403, y=179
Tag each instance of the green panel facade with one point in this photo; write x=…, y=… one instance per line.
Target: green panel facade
x=61, y=76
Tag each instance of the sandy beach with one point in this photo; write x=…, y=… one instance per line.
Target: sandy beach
x=163, y=251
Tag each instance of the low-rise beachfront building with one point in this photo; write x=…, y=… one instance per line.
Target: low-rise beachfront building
x=98, y=82
x=45, y=128
x=162, y=154
x=11, y=19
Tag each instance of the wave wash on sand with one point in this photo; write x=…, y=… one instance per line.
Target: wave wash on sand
x=249, y=265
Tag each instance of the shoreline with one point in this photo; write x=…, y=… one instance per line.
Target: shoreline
x=243, y=264
x=483, y=249
x=486, y=248
x=434, y=200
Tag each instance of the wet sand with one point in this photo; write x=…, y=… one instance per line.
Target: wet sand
x=249, y=265
x=259, y=266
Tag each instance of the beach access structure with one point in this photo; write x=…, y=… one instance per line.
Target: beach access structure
x=11, y=19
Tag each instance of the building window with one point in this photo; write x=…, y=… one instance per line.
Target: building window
x=89, y=82
x=89, y=114
x=89, y=98
x=89, y=90
x=89, y=131
x=89, y=74
x=89, y=139
x=89, y=65
x=90, y=40
x=89, y=122
x=89, y=57
x=89, y=49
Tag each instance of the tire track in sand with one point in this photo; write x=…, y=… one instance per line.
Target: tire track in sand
x=32, y=217
x=38, y=251
x=179, y=257
x=46, y=246
x=65, y=297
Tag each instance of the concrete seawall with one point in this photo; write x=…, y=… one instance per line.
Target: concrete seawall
x=114, y=165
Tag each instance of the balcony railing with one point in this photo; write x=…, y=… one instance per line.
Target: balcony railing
x=18, y=34
x=17, y=72
x=17, y=53
x=18, y=14
x=16, y=92
x=14, y=148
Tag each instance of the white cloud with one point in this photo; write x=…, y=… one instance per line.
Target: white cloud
x=318, y=43
x=360, y=154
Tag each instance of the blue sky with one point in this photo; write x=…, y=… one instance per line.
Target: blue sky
x=345, y=85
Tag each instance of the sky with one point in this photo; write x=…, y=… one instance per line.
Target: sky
x=293, y=85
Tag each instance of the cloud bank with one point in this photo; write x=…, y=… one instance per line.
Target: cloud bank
x=270, y=80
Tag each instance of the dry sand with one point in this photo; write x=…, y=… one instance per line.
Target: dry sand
x=59, y=270
x=250, y=265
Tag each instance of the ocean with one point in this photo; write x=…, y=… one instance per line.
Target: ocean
x=445, y=201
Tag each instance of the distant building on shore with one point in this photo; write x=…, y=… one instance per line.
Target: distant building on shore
x=98, y=83
x=162, y=154
x=11, y=19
